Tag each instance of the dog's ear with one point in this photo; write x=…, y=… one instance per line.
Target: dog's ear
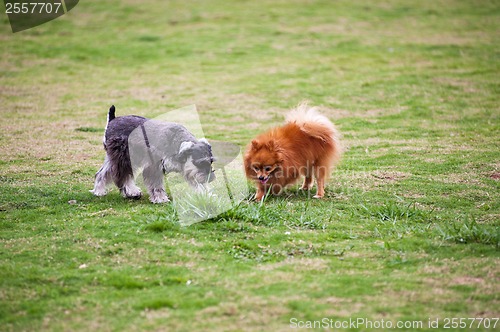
x=204, y=140
x=280, y=158
x=255, y=145
x=185, y=147
x=271, y=146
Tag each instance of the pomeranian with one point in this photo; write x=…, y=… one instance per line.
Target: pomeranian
x=306, y=145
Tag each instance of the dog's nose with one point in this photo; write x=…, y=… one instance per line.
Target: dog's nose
x=261, y=178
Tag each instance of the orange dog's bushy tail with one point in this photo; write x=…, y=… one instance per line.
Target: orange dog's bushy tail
x=314, y=124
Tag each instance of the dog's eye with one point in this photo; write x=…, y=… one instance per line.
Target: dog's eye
x=255, y=168
x=203, y=162
x=267, y=168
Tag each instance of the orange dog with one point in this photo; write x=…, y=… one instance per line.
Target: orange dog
x=306, y=145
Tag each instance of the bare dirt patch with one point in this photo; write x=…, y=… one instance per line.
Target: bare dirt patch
x=300, y=264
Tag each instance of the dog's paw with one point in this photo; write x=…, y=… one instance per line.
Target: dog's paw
x=159, y=200
x=131, y=192
x=318, y=196
x=158, y=196
x=98, y=193
x=307, y=184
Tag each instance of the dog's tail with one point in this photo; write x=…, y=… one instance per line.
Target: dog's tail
x=314, y=124
x=111, y=116
x=111, y=113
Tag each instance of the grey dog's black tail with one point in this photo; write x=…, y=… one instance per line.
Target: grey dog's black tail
x=111, y=113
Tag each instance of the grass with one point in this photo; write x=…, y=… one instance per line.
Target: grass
x=409, y=227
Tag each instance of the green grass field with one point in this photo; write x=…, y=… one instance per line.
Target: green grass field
x=408, y=230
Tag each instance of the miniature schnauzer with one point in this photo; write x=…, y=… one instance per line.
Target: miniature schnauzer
x=134, y=143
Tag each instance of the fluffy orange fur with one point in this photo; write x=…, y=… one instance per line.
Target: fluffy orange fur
x=307, y=145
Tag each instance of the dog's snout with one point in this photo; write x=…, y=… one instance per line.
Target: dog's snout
x=211, y=177
x=261, y=178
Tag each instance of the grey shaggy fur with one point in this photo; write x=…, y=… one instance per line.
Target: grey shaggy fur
x=134, y=143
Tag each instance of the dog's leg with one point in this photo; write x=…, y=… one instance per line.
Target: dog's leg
x=321, y=188
x=277, y=189
x=129, y=189
x=153, y=179
x=102, y=178
x=308, y=182
x=321, y=171
x=124, y=179
x=308, y=177
x=261, y=192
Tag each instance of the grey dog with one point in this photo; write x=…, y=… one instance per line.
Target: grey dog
x=134, y=144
